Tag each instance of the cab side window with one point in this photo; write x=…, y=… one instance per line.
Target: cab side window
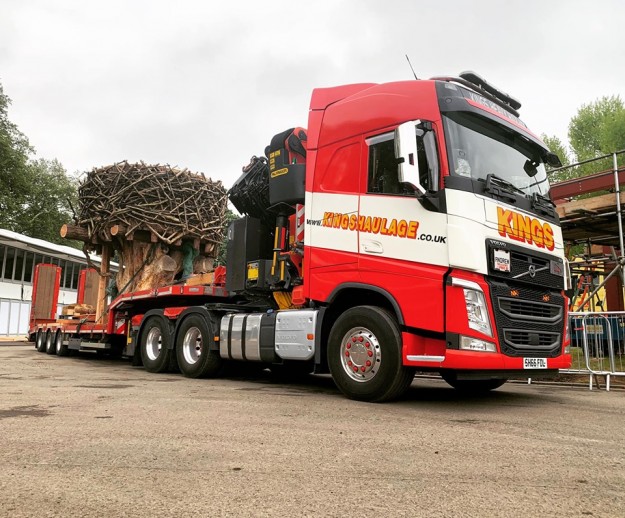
x=383, y=177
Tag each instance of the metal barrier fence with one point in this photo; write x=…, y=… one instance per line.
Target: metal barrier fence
x=597, y=345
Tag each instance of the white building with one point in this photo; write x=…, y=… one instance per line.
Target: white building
x=19, y=255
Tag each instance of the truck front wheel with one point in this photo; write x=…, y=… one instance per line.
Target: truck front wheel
x=155, y=340
x=195, y=357
x=365, y=355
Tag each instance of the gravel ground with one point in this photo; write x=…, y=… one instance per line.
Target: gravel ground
x=85, y=436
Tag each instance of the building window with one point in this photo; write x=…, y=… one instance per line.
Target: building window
x=9, y=261
x=19, y=265
x=70, y=267
x=28, y=267
x=2, y=254
x=75, y=274
x=64, y=275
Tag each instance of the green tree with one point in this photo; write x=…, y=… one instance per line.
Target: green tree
x=14, y=153
x=598, y=128
x=556, y=146
x=613, y=131
x=35, y=195
x=46, y=205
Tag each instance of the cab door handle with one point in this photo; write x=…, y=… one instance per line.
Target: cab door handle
x=372, y=247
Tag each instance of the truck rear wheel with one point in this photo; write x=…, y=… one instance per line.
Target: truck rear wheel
x=50, y=343
x=365, y=355
x=472, y=386
x=40, y=344
x=195, y=358
x=156, y=352
x=61, y=349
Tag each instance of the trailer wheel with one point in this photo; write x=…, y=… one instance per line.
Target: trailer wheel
x=40, y=344
x=155, y=340
x=195, y=358
x=472, y=386
x=61, y=349
x=364, y=355
x=50, y=343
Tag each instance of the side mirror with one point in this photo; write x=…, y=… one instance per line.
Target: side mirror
x=406, y=154
x=553, y=160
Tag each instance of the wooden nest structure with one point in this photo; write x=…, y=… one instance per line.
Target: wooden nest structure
x=161, y=222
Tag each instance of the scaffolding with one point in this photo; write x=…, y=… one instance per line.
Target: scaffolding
x=589, y=204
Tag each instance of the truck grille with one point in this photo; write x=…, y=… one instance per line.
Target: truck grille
x=529, y=310
x=529, y=320
x=527, y=267
x=522, y=338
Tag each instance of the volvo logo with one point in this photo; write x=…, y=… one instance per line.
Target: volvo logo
x=531, y=271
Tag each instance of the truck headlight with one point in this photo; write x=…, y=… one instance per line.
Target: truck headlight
x=475, y=301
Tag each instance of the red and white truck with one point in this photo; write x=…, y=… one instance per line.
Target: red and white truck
x=408, y=228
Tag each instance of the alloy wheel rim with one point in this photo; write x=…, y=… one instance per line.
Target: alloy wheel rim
x=154, y=343
x=361, y=354
x=192, y=345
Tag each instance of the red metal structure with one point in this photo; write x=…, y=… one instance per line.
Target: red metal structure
x=601, y=181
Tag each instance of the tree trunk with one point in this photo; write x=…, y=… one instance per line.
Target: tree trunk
x=75, y=232
x=160, y=269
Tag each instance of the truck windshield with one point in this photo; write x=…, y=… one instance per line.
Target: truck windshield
x=478, y=147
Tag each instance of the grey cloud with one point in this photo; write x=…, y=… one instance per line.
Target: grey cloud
x=205, y=85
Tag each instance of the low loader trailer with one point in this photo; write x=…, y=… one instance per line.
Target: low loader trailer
x=408, y=228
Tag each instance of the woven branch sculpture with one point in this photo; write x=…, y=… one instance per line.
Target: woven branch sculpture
x=133, y=207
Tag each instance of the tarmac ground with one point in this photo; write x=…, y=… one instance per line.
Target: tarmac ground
x=88, y=436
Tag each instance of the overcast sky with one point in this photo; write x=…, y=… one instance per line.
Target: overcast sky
x=205, y=85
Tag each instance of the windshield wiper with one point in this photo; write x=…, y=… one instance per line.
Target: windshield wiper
x=501, y=188
x=543, y=204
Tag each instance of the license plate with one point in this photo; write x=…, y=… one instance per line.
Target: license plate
x=534, y=363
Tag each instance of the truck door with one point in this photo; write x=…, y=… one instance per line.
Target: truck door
x=402, y=239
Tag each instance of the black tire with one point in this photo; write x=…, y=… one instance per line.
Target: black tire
x=379, y=374
x=472, y=386
x=40, y=343
x=50, y=344
x=156, y=351
x=195, y=358
x=61, y=349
